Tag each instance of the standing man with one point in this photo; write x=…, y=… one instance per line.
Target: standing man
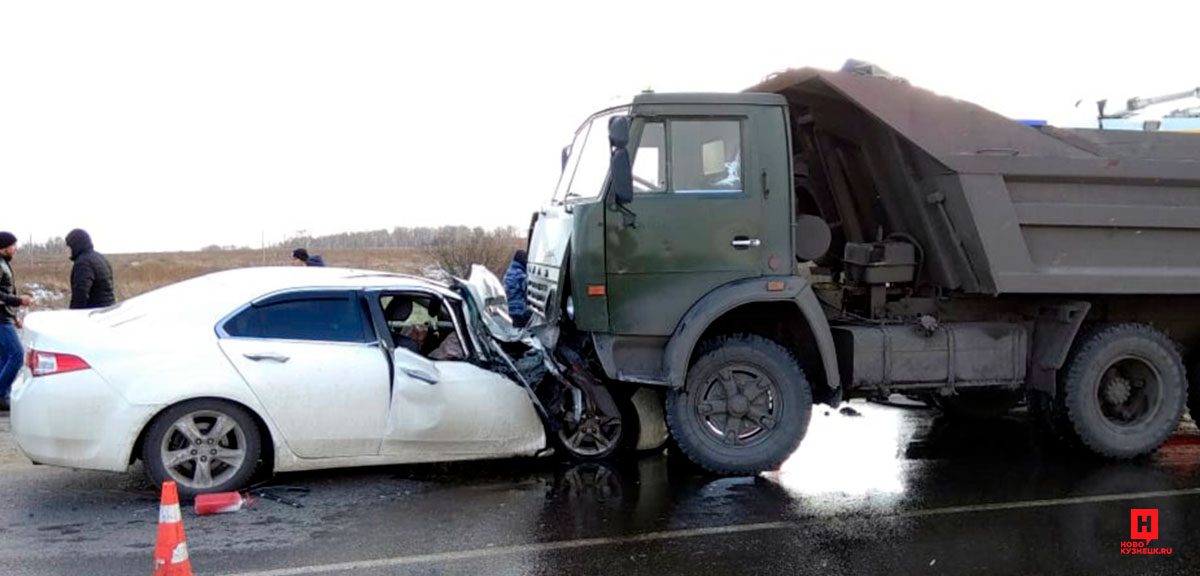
x=91, y=276
x=514, y=289
x=12, y=354
x=300, y=257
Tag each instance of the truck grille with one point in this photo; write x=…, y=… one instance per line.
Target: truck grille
x=540, y=285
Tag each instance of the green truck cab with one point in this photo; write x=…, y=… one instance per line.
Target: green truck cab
x=829, y=234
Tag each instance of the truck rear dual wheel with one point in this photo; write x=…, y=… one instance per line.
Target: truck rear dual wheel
x=1123, y=390
x=744, y=407
x=1194, y=392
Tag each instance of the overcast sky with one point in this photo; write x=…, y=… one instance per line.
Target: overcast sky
x=174, y=125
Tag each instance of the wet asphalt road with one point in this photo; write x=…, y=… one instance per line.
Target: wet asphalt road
x=892, y=491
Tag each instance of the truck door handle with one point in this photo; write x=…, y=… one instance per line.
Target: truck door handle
x=742, y=242
x=259, y=356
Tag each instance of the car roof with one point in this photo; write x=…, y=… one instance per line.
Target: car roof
x=259, y=281
x=212, y=296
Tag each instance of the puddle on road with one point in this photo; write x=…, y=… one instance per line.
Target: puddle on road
x=851, y=455
x=885, y=460
x=912, y=457
x=876, y=461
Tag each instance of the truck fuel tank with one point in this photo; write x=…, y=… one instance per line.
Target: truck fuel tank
x=910, y=356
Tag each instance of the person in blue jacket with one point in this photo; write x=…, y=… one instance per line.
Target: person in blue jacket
x=514, y=289
x=301, y=257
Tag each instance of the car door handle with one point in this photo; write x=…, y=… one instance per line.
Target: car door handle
x=420, y=375
x=260, y=356
x=742, y=242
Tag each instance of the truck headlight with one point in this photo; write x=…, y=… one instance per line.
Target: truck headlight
x=570, y=308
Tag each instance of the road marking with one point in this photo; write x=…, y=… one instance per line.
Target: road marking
x=691, y=533
x=999, y=506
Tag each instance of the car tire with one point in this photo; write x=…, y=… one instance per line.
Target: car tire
x=1125, y=390
x=744, y=407
x=182, y=445
x=621, y=435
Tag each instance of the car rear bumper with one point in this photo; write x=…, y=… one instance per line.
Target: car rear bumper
x=75, y=420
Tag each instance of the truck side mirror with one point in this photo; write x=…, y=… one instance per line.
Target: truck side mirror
x=566, y=155
x=620, y=170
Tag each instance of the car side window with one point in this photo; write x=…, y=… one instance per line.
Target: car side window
x=706, y=156
x=423, y=325
x=324, y=319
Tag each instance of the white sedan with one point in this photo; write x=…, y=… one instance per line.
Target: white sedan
x=299, y=368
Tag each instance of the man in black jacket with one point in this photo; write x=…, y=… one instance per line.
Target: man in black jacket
x=12, y=353
x=91, y=276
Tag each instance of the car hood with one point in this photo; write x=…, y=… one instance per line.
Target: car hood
x=487, y=296
x=487, y=310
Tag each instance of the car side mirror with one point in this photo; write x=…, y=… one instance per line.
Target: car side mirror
x=620, y=170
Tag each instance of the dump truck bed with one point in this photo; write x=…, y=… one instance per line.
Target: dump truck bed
x=997, y=206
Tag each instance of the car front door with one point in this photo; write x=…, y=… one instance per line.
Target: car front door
x=315, y=364
x=449, y=408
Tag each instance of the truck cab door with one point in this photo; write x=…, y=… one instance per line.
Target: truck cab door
x=696, y=220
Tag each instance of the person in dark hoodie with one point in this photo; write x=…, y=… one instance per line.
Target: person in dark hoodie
x=91, y=275
x=12, y=353
x=514, y=289
x=301, y=257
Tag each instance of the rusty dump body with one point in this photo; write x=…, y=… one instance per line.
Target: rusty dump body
x=996, y=206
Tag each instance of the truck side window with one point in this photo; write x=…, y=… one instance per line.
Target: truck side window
x=649, y=163
x=706, y=156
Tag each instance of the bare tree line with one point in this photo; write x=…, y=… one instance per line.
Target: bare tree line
x=52, y=247
x=453, y=249
x=399, y=237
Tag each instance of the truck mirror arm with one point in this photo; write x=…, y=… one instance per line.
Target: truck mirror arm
x=628, y=217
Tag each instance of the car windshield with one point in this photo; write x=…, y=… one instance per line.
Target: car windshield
x=586, y=167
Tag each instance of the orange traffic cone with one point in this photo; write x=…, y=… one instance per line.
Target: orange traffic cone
x=171, y=553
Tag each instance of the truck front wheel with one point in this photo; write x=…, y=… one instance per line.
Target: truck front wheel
x=744, y=407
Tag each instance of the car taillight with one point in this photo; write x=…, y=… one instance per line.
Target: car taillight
x=47, y=363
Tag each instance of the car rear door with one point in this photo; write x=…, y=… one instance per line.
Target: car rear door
x=315, y=364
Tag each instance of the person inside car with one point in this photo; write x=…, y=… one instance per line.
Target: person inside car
x=414, y=334
x=407, y=335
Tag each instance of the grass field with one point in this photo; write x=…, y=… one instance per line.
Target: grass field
x=48, y=279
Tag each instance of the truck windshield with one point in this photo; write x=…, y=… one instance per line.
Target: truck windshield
x=586, y=169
